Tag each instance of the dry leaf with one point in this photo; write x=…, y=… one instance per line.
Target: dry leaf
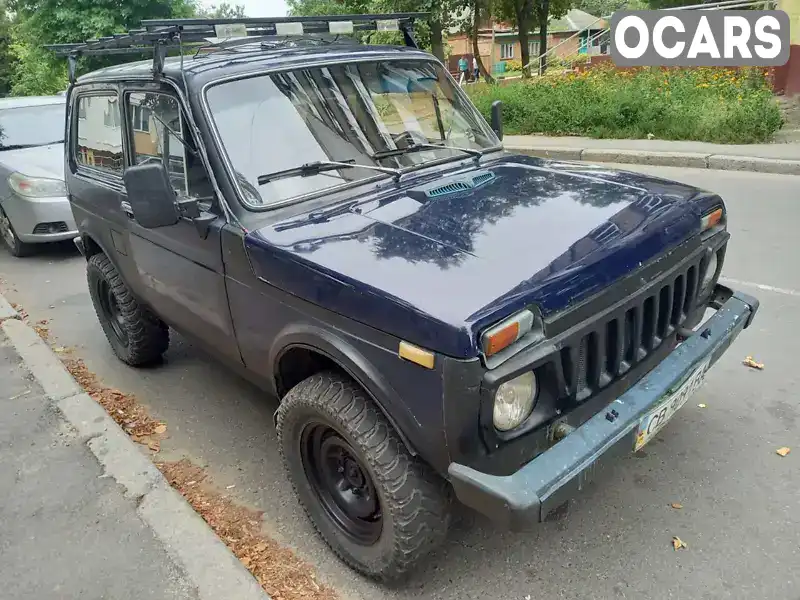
x=753, y=364
x=783, y=451
x=160, y=428
x=701, y=405
x=678, y=543
x=154, y=446
x=676, y=505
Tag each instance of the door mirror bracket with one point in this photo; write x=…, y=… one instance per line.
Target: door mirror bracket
x=189, y=208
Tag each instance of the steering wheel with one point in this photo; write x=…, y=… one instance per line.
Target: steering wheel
x=410, y=138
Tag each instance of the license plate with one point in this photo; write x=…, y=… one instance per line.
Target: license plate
x=651, y=424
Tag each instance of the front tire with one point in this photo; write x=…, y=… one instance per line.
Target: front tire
x=136, y=335
x=378, y=508
x=16, y=247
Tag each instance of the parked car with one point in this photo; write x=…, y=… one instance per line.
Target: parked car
x=440, y=319
x=34, y=208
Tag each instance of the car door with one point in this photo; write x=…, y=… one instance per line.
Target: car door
x=94, y=170
x=180, y=269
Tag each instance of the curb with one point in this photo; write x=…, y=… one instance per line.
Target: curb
x=210, y=566
x=695, y=160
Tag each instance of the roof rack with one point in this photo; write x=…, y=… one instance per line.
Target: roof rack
x=159, y=35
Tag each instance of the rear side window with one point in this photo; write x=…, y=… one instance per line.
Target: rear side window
x=99, y=143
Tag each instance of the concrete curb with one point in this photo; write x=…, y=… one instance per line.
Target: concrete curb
x=210, y=566
x=695, y=160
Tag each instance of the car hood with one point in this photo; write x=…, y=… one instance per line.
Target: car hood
x=440, y=259
x=39, y=161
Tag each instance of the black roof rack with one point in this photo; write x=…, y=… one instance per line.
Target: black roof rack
x=159, y=35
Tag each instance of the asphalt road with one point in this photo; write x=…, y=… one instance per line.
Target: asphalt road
x=741, y=501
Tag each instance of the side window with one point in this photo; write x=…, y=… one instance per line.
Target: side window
x=159, y=133
x=99, y=143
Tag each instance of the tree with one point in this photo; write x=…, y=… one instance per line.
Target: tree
x=6, y=58
x=429, y=35
x=223, y=11
x=38, y=22
x=474, y=13
x=526, y=16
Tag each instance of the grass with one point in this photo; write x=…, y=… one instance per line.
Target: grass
x=701, y=104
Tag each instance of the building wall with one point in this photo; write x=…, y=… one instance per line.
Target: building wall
x=569, y=48
x=461, y=45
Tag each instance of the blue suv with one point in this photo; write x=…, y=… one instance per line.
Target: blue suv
x=440, y=319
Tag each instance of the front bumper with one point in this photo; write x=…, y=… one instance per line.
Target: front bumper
x=564, y=469
x=26, y=213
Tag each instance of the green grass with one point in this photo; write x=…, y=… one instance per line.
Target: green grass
x=711, y=105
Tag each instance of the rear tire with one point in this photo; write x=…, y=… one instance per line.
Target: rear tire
x=136, y=335
x=402, y=508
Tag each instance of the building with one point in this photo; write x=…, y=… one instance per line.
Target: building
x=572, y=35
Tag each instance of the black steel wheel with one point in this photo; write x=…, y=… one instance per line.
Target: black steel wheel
x=380, y=509
x=110, y=308
x=341, y=483
x=136, y=335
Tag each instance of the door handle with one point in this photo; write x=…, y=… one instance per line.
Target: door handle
x=126, y=208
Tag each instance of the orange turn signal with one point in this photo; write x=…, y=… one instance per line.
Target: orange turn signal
x=507, y=332
x=711, y=219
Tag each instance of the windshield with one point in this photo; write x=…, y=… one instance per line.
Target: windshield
x=340, y=113
x=32, y=125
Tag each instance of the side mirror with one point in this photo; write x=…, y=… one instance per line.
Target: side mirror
x=497, y=118
x=151, y=196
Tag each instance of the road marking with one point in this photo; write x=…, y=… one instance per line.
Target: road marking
x=761, y=286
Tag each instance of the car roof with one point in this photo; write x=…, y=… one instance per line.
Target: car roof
x=251, y=58
x=22, y=101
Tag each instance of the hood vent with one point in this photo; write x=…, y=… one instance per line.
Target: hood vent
x=454, y=185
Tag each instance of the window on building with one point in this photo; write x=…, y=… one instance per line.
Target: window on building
x=506, y=51
x=160, y=134
x=99, y=140
x=111, y=114
x=140, y=117
x=533, y=49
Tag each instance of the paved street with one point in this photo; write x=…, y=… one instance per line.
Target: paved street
x=67, y=530
x=741, y=510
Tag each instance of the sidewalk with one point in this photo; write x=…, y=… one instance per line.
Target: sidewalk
x=764, y=158
x=84, y=514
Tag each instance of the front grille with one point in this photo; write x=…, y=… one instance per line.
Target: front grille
x=612, y=346
x=55, y=227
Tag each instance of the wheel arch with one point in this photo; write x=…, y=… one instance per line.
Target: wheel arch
x=332, y=351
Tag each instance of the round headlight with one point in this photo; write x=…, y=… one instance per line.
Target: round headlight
x=513, y=401
x=708, y=276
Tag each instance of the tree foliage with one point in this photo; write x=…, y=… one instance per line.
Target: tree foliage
x=6, y=60
x=527, y=16
x=223, y=11
x=429, y=35
x=36, y=70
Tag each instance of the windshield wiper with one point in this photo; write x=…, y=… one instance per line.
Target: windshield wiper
x=321, y=166
x=477, y=154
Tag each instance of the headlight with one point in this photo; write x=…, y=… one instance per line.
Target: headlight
x=708, y=276
x=513, y=401
x=36, y=187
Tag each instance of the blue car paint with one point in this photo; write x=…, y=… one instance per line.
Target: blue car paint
x=436, y=271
